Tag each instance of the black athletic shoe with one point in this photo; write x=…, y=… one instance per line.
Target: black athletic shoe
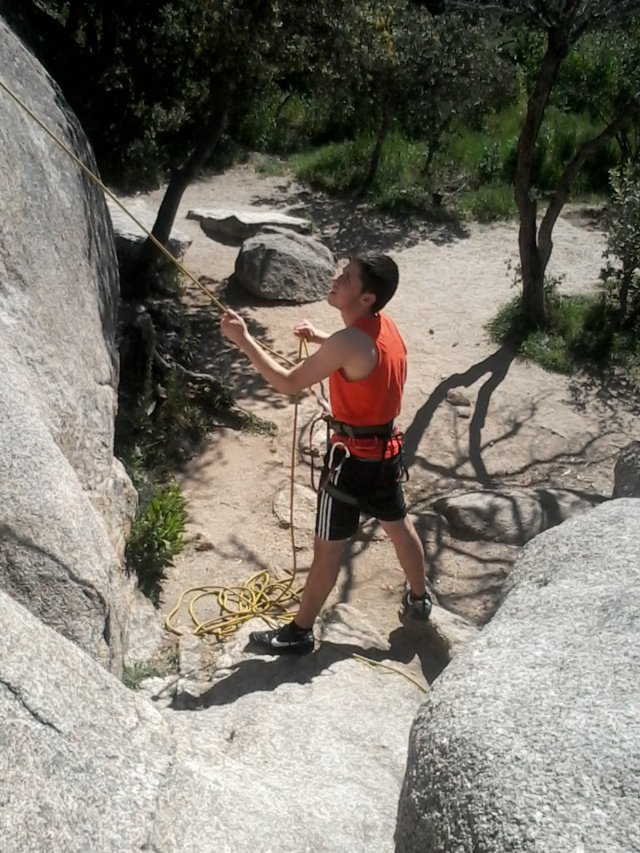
x=415, y=608
x=284, y=641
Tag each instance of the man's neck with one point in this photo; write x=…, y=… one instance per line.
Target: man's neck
x=351, y=317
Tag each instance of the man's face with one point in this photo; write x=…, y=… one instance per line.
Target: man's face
x=346, y=289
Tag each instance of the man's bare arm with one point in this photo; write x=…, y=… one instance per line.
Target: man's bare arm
x=336, y=353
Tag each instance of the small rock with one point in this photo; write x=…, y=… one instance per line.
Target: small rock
x=232, y=227
x=627, y=472
x=281, y=265
x=457, y=398
x=511, y=516
x=304, y=507
x=201, y=542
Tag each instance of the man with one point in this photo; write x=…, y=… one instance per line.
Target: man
x=366, y=366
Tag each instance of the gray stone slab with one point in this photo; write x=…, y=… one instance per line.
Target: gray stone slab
x=130, y=236
x=65, y=499
x=284, y=755
x=233, y=227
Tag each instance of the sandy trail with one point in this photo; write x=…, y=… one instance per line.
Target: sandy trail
x=526, y=426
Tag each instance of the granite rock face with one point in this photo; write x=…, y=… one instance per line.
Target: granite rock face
x=530, y=739
x=65, y=500
x=277, y=754
x=130, y=237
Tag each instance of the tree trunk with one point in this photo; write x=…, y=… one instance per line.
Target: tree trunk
x=383, y=130
x=142, y=281
x=533, y=303
x=534, y=309
x=434, y=143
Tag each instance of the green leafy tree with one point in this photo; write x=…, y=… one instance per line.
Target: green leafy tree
x=599, y=78
x=622, y=271
x=561, y=24
x=396, y=62
x=155, y=83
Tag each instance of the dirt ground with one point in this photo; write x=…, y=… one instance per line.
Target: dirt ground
x=526, y=427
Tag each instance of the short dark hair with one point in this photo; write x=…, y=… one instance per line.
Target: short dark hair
x=379, y=274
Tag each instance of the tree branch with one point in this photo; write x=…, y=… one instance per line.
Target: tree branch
x=549, y=67
x=571, y=171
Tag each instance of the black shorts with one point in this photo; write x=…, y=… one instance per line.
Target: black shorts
x=377, y=486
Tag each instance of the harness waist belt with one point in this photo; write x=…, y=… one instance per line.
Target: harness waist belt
x=351, y=431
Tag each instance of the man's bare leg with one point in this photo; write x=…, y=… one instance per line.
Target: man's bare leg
x=321, y=579
x=409, y=551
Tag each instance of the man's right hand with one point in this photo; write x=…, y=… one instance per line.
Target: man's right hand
x=306, y=331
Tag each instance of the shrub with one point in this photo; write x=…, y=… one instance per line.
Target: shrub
x=490, y=203
x=156, y=537
x=578, y=337
x=134, y=674
x=621, y=276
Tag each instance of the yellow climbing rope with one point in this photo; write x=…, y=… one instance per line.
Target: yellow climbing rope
x=260, y=595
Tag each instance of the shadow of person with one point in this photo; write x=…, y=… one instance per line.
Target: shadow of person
x=264, y=672
x=404, y=647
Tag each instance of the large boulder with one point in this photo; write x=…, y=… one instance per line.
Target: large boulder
x=288, y=755
x=529, y=740
x=281, y=265
x=65, y=500
x=132, y=233
x=627, y=472
x=511, y=516
x=233, y=227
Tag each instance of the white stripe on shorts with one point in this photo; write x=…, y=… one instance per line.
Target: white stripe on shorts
x=325, y=508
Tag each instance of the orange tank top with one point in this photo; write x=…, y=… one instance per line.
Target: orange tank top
x=377, y=398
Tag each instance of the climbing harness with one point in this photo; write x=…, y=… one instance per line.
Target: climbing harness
x=260, y=595
x=384, y=432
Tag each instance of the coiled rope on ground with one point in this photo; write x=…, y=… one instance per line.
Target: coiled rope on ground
x=260, y=595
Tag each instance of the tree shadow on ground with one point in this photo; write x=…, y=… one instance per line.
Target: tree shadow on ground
x=348, y=226
x=497, y=366
x=611, y=391
x=216, y=355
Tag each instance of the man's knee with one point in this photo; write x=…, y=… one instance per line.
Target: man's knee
x=327, y=550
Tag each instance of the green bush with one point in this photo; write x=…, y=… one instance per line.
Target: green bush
x=337, y=167
x=490, y=203
x=399, y=186
x=578, y=336
x=134, y=674
x=487, y=163
x=279, y=124
x=156, y=537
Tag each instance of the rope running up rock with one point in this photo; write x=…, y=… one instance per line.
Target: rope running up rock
x=260, y=595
